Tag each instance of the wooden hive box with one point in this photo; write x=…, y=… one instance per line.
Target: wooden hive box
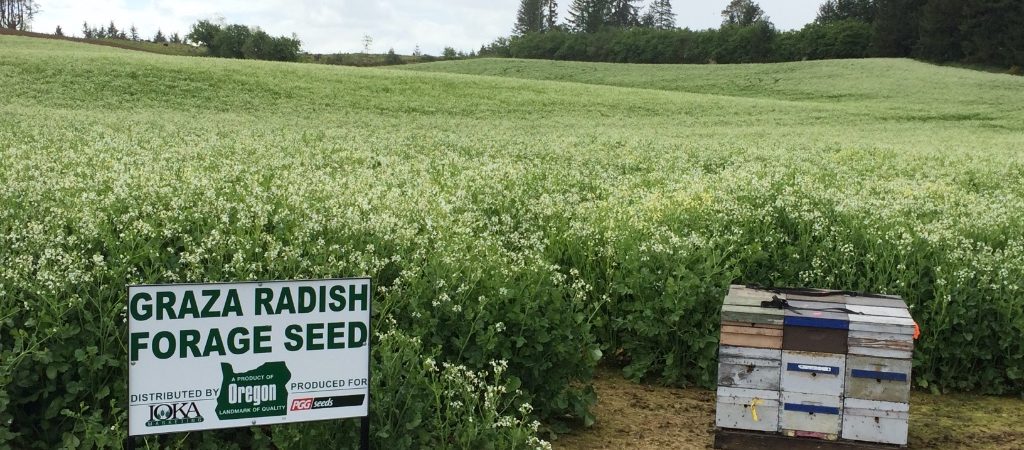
x=746, y=324
x=749, y=368
x=747, y=409
x=820, y=327
x=813, y=373
x=879, y=379
x=883, y=332
x=874, y=421
x=811, y=415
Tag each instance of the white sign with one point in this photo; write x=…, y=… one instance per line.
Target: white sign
x=208, y=356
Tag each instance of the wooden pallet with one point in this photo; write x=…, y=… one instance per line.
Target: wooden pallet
x=744, y=440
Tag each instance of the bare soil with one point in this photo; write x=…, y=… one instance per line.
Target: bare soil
x=638, y=416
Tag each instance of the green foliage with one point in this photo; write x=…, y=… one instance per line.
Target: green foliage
x=745, y=44
x=364, y=59
x=743, y=13
x=832, y=40
x=420, y=403
x=843, y=10
x=971, y=31
x=499, y=48
x=609, y=229
x=203, y=32
x=896, y=27
x=993, y=32
x=530, y=18
x=588, y=16
x=392, y=58
x=623, y=14
x=731, y=44
x=940, y=36
x=659, y=15
x=230, y=41
x=240, y=41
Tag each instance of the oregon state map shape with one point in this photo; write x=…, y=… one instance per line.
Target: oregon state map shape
x=261, y=392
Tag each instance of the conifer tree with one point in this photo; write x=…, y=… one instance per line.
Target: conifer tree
x=530, y=18
x=993, y=32
x=623, y=13
x=659, y=15
x=588, y=16
x=940, y=35
x=550, y=15
x=896, y=27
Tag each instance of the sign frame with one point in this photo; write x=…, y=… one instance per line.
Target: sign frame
x=364, y=433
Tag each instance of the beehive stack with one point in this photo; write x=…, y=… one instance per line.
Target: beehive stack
x=819, y=364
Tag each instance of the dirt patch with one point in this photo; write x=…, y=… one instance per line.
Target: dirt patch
x=644, y=417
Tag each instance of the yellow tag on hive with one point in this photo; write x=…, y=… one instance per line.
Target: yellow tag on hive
x=753, y=408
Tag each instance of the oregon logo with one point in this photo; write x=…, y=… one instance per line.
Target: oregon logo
x=257, y=393
x=173, y=414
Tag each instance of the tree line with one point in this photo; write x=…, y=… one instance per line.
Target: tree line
x=243, y=42
x=17, y=14
x=131, y=34
x=988, y=32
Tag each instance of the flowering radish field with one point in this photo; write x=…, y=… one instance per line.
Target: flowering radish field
x=521, y=228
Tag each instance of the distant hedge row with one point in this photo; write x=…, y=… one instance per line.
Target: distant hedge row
x=759, y=42
x=730, y=44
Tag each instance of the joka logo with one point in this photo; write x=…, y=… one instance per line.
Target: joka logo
x=261, y=392
x=303, y=404
x=173, y=414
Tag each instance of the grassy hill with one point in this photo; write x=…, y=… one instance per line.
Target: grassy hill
x=573, y=214
x=874, y=83
x=145, y=46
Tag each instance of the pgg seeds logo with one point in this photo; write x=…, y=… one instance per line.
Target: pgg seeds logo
x=342, y=401
x=173, y=414
x=258, y=393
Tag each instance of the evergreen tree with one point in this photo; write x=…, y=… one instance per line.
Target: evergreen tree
x=550, y=15
x=743, y=13
x=86, y=31
x=530, y=18
x=993, y=32
x=940, y=36
x=839, y=10
x=896, y=27
x=159, y=38
x=623, y=13
x=659, y=15
x=58, y=31
x=175, y=38
x=133, y=33
x=112, y=30
x=588, y=16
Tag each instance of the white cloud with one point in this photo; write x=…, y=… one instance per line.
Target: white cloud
x=339, y=25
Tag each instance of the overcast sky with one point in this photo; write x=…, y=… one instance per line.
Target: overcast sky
x=330, y=26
